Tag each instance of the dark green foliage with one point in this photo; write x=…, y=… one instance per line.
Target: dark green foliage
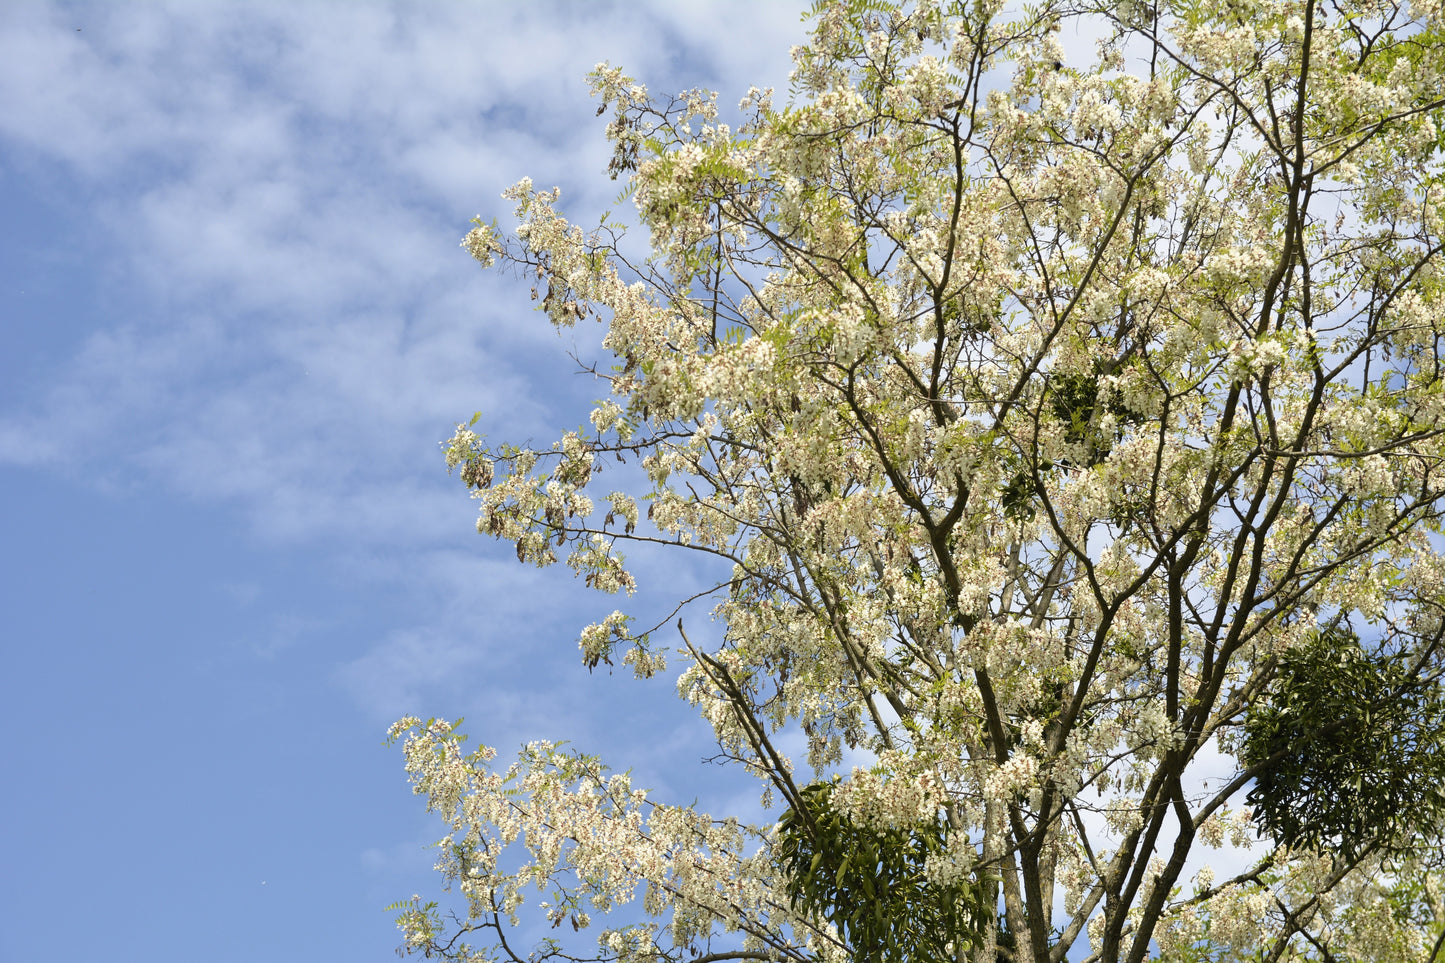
x=1361, y=751
x=871, y=885
x=1074, y=401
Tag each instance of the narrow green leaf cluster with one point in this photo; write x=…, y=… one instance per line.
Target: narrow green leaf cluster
x=1353, y=748
x=873, y=885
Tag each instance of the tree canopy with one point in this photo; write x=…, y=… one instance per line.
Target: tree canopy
x=1059, y=420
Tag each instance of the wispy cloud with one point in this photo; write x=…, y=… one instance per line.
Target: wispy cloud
x=285, y=186
x=277, y=194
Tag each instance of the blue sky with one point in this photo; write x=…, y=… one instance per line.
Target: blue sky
x=235, y=322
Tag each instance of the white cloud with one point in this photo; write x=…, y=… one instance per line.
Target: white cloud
x=280, y=191
x=277, y=196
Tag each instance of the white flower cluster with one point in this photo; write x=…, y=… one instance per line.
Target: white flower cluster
x=896, y=802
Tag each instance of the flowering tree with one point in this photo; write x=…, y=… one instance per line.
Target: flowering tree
x=1056, y=426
